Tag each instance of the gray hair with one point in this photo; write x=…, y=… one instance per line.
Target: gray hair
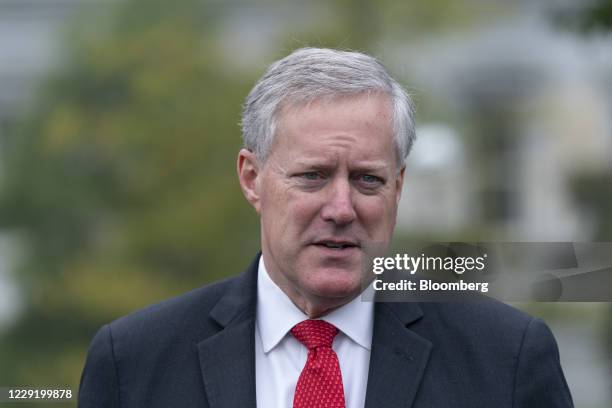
x=313, y=73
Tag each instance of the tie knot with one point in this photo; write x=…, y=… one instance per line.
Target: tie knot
x=315, y=333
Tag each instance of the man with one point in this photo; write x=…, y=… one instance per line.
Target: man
x=326, y=134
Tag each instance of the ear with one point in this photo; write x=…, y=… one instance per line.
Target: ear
x=399, y=183
x=248, y=174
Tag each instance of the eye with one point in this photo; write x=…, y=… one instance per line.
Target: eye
x=370, y=179
x=368, y=182
x=311, y=179
x=311, y=175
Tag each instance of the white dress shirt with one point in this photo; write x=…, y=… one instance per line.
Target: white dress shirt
x=279, y=357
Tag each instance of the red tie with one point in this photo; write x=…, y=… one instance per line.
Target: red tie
x=320, y=383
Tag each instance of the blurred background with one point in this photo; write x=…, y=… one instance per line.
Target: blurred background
x=119, y=131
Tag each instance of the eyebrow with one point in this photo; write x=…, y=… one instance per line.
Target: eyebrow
x=373, y=165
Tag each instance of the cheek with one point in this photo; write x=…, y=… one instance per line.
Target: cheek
x=377, y=214
x=302, y=212
x=273, y=196
x=287, y=212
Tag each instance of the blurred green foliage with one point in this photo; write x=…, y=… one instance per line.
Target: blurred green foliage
x=121, y=185
x=593, y=16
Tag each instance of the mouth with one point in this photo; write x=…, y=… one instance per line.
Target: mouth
x=337, y=245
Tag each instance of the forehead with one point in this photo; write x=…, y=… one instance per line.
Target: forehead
x=357, y=125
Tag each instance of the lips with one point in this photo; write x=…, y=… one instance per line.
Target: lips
x=337, y=244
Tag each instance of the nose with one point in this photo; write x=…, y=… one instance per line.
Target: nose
x=339, y=207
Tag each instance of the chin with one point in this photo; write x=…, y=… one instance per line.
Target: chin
x=336, y=287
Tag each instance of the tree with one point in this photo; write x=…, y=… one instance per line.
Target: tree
x=121, y=184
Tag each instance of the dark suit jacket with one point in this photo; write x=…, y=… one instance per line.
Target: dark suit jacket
x=197, y=350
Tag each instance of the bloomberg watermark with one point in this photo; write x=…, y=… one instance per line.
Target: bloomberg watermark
x=508, y=271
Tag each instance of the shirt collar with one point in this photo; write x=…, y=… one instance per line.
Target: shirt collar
x=276, y=314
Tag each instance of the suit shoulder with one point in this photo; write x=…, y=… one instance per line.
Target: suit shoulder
x=488, y=318
x=487, y=310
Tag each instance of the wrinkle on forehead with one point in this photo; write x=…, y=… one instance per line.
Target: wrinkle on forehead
x=356, y=130
x=341, y=141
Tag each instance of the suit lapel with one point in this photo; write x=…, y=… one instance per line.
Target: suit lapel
x=227, y=359
x=399, y=356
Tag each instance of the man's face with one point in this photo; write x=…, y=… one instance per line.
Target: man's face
x=329, y=188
